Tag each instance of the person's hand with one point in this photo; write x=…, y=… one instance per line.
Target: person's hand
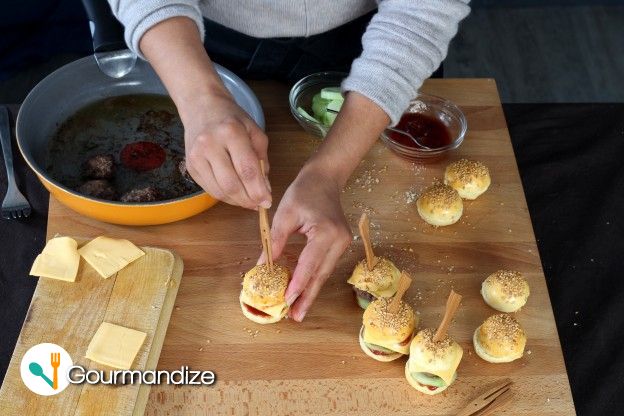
x=310, y=206
x=224, y=147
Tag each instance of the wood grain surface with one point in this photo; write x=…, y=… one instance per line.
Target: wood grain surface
x=140, y=296
x=316, y=367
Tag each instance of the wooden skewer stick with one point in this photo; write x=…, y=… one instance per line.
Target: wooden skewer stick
x=452, y=304
x=265, y=230
x=364, y=226
x=404, y=283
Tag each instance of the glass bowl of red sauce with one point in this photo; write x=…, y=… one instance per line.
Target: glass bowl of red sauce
x=435, y=122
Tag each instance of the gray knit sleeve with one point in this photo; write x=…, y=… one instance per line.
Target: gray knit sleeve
x=138, y=16
x=404, y=43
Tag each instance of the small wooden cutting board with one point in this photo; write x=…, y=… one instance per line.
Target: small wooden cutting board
x=140, y=296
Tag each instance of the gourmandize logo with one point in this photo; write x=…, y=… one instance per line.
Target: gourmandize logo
x=44, y=369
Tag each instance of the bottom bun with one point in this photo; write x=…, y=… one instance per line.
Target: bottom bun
x=422, y=388
x=382, y=358
x=483, y=354
x=262, y=319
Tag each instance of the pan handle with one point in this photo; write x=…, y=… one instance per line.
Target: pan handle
x=106, y=31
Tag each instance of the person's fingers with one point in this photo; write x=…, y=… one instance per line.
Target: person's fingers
x=285, y=223
x=259, y=143
x=310, y=260
x=301, y=306
x=201, y=172
x=228, y=179
x=247, y=166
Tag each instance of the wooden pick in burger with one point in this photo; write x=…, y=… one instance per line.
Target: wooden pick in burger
x=452, y=303
x=404, y=283
x=364, y=226
x=265, y=230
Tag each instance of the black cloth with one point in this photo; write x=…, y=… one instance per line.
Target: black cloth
x=571, y=163
x=570, y=159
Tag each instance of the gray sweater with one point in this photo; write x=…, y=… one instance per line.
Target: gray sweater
x=404, y=43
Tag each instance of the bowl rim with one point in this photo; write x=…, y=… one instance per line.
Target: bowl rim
x=453, y=145
x=298, y=85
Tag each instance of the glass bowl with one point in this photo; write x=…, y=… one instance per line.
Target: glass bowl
x=301, y=96
x=441, y=109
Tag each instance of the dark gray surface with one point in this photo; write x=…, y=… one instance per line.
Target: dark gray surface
x=545, y=54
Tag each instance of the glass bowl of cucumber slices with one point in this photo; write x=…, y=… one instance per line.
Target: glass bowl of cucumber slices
x=316, y=100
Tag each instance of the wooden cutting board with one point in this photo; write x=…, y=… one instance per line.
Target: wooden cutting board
x=140, y=296
x=316, y=367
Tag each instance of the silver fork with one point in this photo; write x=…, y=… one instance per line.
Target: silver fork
x=14, y=204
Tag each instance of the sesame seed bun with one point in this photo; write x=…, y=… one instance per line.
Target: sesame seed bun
x=505, y=290
x=381, y=282
x=440, y=205
x=423, y=389
x=392, y=331
x=500, y=339
x=468, y=177
x=264, y=289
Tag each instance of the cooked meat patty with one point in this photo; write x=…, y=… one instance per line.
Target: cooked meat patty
x=98, y=188
x=147, y=194
x=99, y=167
x=364, y=294
x=184, y=171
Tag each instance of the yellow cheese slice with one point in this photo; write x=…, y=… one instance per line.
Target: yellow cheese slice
x=108, y=255
x=443, y=367
x=273, y=310
x=391, y=344
x=58, y=260
x=115, y=346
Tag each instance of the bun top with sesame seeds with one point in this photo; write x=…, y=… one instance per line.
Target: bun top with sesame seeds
x=500, y=339
x=381, y=282
x=440, y=205
x=264, y=287
x=469, y=178
x=505, y=290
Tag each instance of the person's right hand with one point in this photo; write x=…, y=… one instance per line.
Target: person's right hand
x=224, y=147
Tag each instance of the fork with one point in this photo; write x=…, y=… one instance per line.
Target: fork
x=491, y=400
x=55, y=361
x=14, y=204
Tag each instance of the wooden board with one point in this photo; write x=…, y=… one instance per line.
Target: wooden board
x=316, y=367
x=140, y=296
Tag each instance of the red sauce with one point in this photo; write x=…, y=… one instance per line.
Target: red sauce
x=377, y=352
x=142, y=156
x=255, y=311
x=426, y=129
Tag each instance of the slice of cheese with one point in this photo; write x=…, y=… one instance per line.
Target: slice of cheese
x=443, y=367
x=58, y=260
x=273, y=310
x=108, y=255
x=115, y=346
x=387, y=342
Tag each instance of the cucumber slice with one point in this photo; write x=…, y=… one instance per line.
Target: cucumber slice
x=362, y=302
x=378, y=348
x=306, y=115
x=329, y=117
x=319, y=106
x=335, y=105
x=332, y=93
x=428, y=379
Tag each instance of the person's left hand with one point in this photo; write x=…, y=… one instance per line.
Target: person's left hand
x=310, y=206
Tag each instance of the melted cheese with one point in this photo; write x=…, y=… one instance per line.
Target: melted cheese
x=58, y=260
x=108, y=256
x=443, y=367
x=276, y=310
x=115, y=346
x=386, y=342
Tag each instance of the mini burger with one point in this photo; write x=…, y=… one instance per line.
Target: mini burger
x=385, y=336
x=432, y=365
x=262, y=297
x=380, y=282
x=500, y=339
